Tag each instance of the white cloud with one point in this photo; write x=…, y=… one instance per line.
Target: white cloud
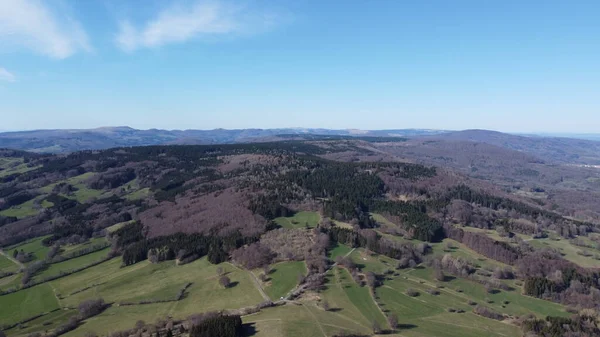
x=5, y=75
x=30, y=24
x=181, y=23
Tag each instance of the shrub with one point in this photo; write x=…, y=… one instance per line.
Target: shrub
x=487, y=312
x=412, y=292
x=225, y=281
x=433, y=291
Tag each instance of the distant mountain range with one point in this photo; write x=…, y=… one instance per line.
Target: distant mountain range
x=59, y=141
x=552, y=149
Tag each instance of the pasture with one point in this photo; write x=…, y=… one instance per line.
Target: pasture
x=68, y=265
x=283, y=278
x=27, y=303
x=6, y=265
x=162, y=281
x=21, y=211
x=34, y=246
x=299, y=220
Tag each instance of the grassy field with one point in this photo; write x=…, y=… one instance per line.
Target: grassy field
x=44, y=323
x=372, y=262
x=10, y=282
x=90, y=242
x=353, y=307
x=304, y=319
x=83, y=192
x=34, y=246
x=299, y=220
x=283, y=278
x=6, y=265
x=158, y=281
x=78, y=262
x=13, y=165
x=27, y=303
x=118, y=225
x=21, y=211
x=349, y=299
x=569, y=251
x=382, y=221
x=339, y=250
x=139, y=194
x=144, y=281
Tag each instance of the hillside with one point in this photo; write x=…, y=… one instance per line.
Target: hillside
x=551, y=149
x=61, y=141
x=326, y=236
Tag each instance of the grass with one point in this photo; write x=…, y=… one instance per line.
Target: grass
x=349, y=299
x=21, y=211
x=90, y=242
x=339, y=250
x=155, y=281
x=34, y=246
x=372, y=262
x=342, y=224
x=44, y=323
x=283, y=278
x=382, y=221
x=27, y=303
x=299, y=220
x=13, y=166
x=145, y=281
x=139, y=194
x=83, y=193
x=421, y=279
x=10, y=282
x=301, y=320
x=68, y=265
x=115, y=227
x=6, y=265
x=568, y=251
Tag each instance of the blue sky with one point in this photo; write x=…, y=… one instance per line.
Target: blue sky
x=516, y=66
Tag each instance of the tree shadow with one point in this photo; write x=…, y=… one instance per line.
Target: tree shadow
x=335, y=309
x=406, y=326
x=233, y=284
x=448, y=278
x=249, y=329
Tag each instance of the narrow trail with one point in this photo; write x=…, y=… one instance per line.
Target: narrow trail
x=258, y=286
x=316, y=320
x=21, y=266
x=255, y=281
x=293, y=291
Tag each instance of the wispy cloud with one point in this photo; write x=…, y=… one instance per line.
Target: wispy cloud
x=7, y=76
x=31, y=24
x=179, y=23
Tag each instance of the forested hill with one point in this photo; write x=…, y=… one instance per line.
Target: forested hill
x=188, y=188
x=261, y=204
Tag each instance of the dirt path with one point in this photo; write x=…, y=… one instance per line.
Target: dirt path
x=259, y=287
x=298, y=287
x=255, y=281
x=21, y=266
x=316, y=320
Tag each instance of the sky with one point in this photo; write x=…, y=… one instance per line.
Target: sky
x=513, y=66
